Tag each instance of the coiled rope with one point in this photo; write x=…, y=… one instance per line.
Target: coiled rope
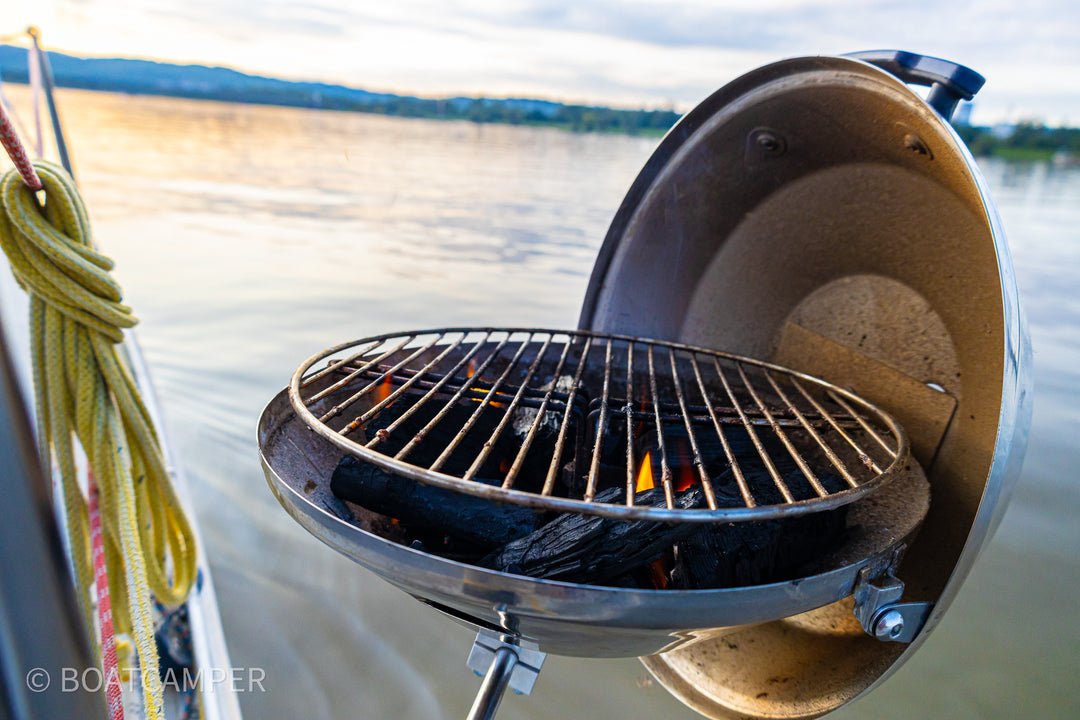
x=84, y=388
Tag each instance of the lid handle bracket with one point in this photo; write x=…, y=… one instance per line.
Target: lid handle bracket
x=949, y=82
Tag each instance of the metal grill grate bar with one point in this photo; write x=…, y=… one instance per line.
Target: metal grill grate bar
x=665, y=470
x=601, y=427
x=356, y=373
x=507, y=416
x=699, y=464
x=863, y=455
x=480, y=408
x=740, y=480
x=338, y=364
x=377, y=440
x=795, y=454
x=862, y=423
x=526, y=444
x=553, y=468
x=829, y=452
x=777, y=480
x=380, y=380
x=416, y=377
x=404, y=452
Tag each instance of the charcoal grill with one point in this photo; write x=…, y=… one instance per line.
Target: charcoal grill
x=824, y=227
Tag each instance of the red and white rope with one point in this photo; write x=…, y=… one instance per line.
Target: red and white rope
x=15, y=150
x=114, y=701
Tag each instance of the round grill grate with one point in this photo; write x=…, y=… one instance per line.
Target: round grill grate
x=576, y=421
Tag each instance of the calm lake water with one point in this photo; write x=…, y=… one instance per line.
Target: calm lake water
x=249, y=237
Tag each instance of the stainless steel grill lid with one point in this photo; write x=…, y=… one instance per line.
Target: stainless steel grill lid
x=819, y=214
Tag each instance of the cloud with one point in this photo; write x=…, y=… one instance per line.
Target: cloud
x=633, y=52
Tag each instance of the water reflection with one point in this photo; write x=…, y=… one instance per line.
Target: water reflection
x=249, y=237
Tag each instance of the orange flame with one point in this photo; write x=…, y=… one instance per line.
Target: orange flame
x=645, y=479
x=658, y=569
x=470, y=371
x=383, y=391
x=684, y=470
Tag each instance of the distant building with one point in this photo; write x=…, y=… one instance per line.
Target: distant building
x=962, y=116
x=1002, y=130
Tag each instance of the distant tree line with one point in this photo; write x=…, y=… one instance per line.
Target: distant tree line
x=579, y=118
x=199, y=82
x=1025, y=141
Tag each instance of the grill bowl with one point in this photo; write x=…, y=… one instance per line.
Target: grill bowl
x=566, y=618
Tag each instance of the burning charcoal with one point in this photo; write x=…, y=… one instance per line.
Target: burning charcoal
x=435, y=439
x=592, y=549
x=754, y=553
x=430, y=509
x=524, y=417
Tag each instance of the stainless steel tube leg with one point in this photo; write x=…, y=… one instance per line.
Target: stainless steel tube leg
x=494, y=685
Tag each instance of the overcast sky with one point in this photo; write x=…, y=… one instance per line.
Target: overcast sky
x=633, y=53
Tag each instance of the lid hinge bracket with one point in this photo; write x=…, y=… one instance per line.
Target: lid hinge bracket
x=878, y=608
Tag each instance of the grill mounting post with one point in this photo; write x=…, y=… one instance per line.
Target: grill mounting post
x=504, y=662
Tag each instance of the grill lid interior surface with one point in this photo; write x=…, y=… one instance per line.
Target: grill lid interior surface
x=550, y=419
x=794, y=180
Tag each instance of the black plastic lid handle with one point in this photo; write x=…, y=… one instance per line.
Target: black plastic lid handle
x=949, y=82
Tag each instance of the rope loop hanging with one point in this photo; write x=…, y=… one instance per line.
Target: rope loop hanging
x=85, y=389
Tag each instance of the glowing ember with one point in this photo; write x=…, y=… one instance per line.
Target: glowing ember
x=684, y=467
x=658, y=574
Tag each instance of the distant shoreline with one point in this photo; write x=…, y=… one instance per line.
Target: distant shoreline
x=1022, y=142
x=197, y=82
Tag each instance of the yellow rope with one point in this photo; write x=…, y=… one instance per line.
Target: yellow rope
x=84, y=388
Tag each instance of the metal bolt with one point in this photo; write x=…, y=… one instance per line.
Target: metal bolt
x=915, y=144
x=768, y=141
x=889, y=625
